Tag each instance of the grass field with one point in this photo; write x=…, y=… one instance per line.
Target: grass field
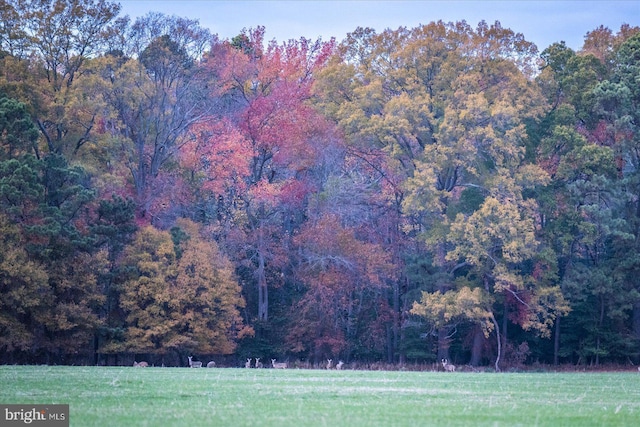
x=126, y=396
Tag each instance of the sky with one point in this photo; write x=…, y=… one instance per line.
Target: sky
x=542, y=22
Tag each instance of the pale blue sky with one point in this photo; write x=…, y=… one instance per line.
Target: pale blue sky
x=542, y=22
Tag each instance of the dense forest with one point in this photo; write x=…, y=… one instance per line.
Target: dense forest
x=398, y=197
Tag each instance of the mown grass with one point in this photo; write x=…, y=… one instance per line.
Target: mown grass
x=127, y=396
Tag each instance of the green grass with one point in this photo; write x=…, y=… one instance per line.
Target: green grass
x=126, y=396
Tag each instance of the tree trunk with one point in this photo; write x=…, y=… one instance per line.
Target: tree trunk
x=600, y=329
x=390, y=344
x=556, y=342
x=505, y=322
x=396, y=320
x=402, y=357
x=443, y=344
x=498, y=339
x=496, y=326
x=263, y=294
x=476, y=348
x=636, y=321
x=96, y=344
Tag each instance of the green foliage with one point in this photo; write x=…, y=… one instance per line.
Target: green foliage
x=18, y=133
x=163, y=57
x=177, y=237
x=114, y=224
x=46, y=200
x=21, y=187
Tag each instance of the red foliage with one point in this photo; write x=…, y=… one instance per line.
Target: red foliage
x=344, y=276
x=294, y=192
x=519, y=306
x=539, y=270
x=220, y=152
x=265, y=194
x=601, y=135
x=272, y=87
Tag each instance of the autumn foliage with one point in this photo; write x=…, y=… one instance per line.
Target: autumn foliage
x=410, y=195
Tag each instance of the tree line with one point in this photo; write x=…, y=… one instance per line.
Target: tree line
x=418, y=194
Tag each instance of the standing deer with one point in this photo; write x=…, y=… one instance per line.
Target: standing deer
x=247, y=364
x=339, y=365
x=447, y=366
x=258, y=363
x=193, y=364
x=279, y=365
x=140, y=365
x=329, y=363
x=211, y=364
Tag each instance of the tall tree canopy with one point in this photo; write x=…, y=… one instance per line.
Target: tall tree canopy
x=443, y=191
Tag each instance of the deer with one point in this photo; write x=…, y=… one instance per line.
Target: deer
x=258, y=363
x=193, y=364
x=329, y=363
x=140, y=365
x=448, y=367
x=247, y=364
x=279, y=365
x=339, y=365
x=211, y=364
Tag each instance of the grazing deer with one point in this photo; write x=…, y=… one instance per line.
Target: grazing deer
x=140, y=365
x=329, y=363
x=258, y=363
x=279, y=365
x=211, y=364
x=339, y=365
x=193, y=364
x=448, y=367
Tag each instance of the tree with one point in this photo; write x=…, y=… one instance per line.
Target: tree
x=24, y=293
x=616, y=104
x=419, y=185
x=113, y=229
x=13, y=36
x=271, y=122
x=18, y=134
x=179, y=295
x=343, y=303
x=603, y=44
x=153, y=101
x=380, y=92
x=438, y=113
x=583, y=206
x=61, y=36
x=48, y=200
x=151, y=313
x=446, y=311
x=211, y=294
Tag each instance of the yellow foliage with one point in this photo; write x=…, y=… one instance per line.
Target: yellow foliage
x=444, y=309
x=496, y=233
x=189, y=301
x=546, y=306
x=23, y=289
